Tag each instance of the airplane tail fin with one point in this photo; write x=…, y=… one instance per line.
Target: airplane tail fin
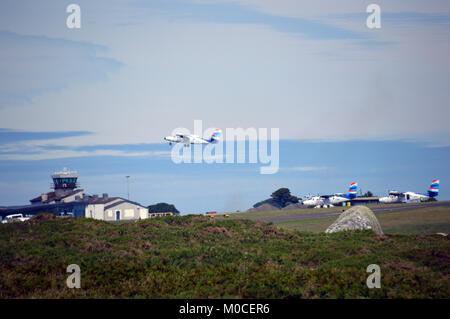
x=353, y=190
x=433, y=191
x=216, y=136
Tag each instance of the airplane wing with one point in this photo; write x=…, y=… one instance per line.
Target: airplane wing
x=186, y=139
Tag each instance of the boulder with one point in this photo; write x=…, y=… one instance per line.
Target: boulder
x=357, y=217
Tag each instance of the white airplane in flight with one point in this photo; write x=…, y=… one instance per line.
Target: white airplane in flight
x=188, y=139
x=399, y=197
x=331, y=200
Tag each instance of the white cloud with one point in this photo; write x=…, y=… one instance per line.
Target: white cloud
x=232, y=75
x=33, y=65
x=305, y=8
x=306, y=168
x=35, y=150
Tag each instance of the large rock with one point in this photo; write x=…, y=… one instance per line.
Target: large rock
x=357, y=217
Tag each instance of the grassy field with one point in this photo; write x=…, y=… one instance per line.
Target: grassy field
x=198, y=257
x=428, y=220
x=297, y=212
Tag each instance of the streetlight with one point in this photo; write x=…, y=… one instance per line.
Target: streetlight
x=128, y=186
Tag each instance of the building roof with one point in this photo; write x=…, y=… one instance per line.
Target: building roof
x=365, y=198
x=122, y=200
x=65, y=174
x=51, y=196
x=101, y=200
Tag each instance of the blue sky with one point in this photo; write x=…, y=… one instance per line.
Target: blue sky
x=351, y=103
x=306, y=167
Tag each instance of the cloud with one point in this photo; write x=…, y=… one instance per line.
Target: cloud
x=42, y=153
x=33, y=65
x=306, y=168
x=38, y=155
x=296, y=8
x=32, y=146
x=180, y=66
x=233, y=13
x=8, y=136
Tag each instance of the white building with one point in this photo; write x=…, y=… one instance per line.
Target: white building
x=115, y=208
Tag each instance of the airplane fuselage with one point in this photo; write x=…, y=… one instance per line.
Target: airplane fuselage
x=314, y=201
x=173, y=139
x=334, y=200
x=188, y=139
x=404, y=197
x=390, y=199
x=399, y=197
x=411, y=196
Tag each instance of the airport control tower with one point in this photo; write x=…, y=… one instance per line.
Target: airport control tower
x=64, y=182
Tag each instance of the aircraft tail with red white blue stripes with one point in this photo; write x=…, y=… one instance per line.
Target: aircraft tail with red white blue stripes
x=352, y=190
x=433, y=191
x=215, y=136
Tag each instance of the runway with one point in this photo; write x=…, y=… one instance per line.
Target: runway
x=336, y=211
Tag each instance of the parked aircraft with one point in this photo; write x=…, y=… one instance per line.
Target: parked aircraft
x=331, y=200
x=188, y=139
x=399, y=197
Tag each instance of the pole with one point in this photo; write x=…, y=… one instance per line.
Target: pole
x=128, y=186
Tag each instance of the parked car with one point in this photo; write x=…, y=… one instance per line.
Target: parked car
x=15, y=218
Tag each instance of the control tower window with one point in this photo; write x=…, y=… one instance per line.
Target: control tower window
x=65, y=180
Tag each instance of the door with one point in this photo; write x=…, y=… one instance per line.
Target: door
x=118, y=215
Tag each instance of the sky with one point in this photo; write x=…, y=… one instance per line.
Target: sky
x=351, y=103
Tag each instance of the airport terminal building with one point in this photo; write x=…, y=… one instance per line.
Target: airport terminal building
x=67, y=199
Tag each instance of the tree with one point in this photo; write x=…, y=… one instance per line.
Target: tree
x=367, y=194
x=283, y=197
x=162, y=208
x=280, y=198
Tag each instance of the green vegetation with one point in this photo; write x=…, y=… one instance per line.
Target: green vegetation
x=269, y=201
x=367, y=194
x=280, y=198
x=278, y=213
x=199, y=257
x=162, y=208
x=430, y=220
